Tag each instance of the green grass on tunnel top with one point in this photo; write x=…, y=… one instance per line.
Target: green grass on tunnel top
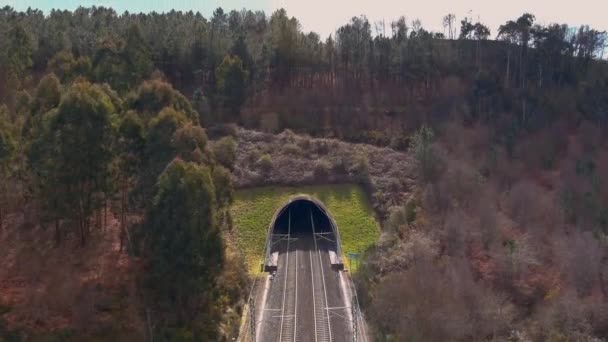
x=253, y=209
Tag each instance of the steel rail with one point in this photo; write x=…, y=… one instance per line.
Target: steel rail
x=322, y=273
x=286, y=276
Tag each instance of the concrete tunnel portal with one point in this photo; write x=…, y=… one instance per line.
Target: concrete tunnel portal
x=307, y=297
x=302, y=217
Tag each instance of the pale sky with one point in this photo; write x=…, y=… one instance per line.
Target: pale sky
x=325, y=16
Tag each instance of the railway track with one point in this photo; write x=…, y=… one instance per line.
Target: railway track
x=305, y=300
x=323, y=331
x=289, y=322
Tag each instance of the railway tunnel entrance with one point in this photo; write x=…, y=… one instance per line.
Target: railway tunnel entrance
x=306, y=298
x=303, y=218
x=295, y=219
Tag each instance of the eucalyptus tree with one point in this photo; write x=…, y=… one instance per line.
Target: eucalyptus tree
x=508, y=33
x=184, y=251
x=524, y=26
x=448, y=24
x=241, y=50
x=8, y=150
x=284, y=34
x=19, y=50
x=353, y=42
x=159, y=149
x=137, y=56
x=400, y=56
x=72, y=152
x=130, y=150
x=67, y=67
x=232, y=82
x=467, y=29
x=551, y=44
x=481, y=33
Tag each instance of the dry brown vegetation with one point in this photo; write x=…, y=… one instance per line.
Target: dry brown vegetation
x=291, y=159
x=501, y=247
x=52, y=291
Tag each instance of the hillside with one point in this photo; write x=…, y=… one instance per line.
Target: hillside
x=499, y=247
x=135, y=147
x=66, y=294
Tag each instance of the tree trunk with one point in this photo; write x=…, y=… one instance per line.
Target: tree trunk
x=508, y=68
x=521, y=68
x=98, y=223
x=105, y=213
x=57, y=232
x=123, y=216
x=150, y=329
x=477, y=55
x=82, y=233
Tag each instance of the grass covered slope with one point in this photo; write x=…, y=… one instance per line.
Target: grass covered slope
x=253, y=209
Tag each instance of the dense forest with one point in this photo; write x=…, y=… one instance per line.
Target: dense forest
x=114, y=114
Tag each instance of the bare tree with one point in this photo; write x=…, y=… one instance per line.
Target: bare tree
x=486, y=213
x=448, y=23
x=581, y=256
x=455, y=231
x=408, y=304
x=523, y=202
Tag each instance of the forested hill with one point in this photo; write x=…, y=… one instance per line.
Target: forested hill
x=261, y=70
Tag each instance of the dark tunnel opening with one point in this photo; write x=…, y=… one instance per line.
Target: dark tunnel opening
x=293, y=230
x=299, y=212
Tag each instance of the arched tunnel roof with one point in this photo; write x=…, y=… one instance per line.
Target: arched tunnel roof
x=316, y=202
x=302, y=197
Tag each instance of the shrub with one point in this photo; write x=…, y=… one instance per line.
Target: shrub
x=321, y=147
x=360, y=170
x=400, y=143
x=304, y=143
x=265, y=163
x=292, y=149
x=254, y=155
x=288, y=135
x=377, y=138
x=410, y=211
x=427, y=160
x=401, y=216
x=339, y=166
x=321, y=170
x=224, y=151
x=396, y=219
